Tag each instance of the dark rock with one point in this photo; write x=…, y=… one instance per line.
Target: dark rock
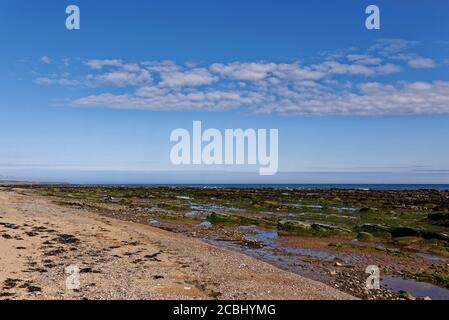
x=405, y=232
x=438, y=216
x=426, y=234
x=67, y=239
x=376, y=228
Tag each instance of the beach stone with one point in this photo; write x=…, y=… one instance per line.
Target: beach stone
x=205, y=225
x=406, y=295
x=152, y=221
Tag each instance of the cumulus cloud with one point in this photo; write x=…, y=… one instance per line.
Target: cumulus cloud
x=420, y=63
x=157, y=98
x=370, y=99
x=363, y=59
x=243, y=70
x=62, y=81
x=295, y=72
x=392, y=46
x=415, y=61
x=345, y=83
x=99, y=64
x=121, y=78
x=335, y=67
x=257, y=71
x=397, y=49
x=194, y=77
x=46, y=60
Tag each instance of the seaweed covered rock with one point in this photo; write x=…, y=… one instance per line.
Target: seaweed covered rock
x=329, y=229
x=365, y=236
x=299, y=227
x=221, y=218
x=294, y=226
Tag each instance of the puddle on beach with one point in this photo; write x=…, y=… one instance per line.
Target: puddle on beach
x=346, y=209
x=300, y=205
x=415, y=288
x=323, y=255
x=212, y=207
x=319, y=207
x=432, y=257
x=197, y=214
x=266, y=237
x=324, y=215
x=294, y=259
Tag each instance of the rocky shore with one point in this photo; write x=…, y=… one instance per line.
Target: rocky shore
x=126, y=260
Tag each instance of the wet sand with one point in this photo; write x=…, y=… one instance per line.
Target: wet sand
x=126, y=260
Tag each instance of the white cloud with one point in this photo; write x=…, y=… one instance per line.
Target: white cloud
x=364, y=59
x=121, y=78
x=368, y=99
x=335, y=67
x=415, y=61
x=59, y=81
x=194, y=77
x=420, y=63
x=157, y=98
x=392, y=46
x=119, y=74
x=346, y=84
x=162, y=66
x=99, y=64
x=46, y=60
x=251, y=71
x=371, y=99
x=294, y=72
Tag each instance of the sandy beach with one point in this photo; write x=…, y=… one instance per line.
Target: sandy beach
x=126, y=260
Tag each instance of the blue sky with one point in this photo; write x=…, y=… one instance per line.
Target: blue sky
x=98, y=104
